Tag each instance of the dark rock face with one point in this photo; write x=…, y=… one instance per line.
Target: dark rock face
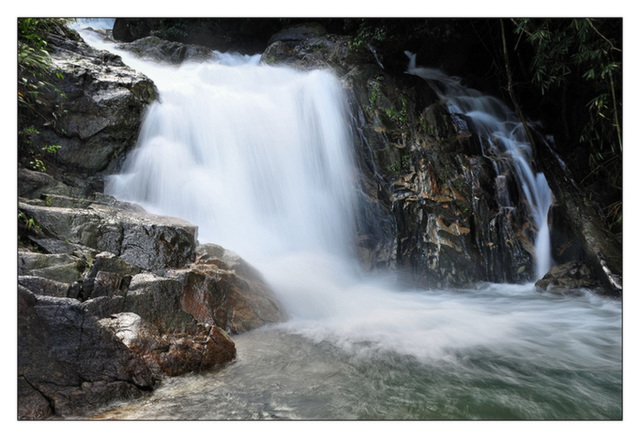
x=244, y=35
x=429, y=198
x=171, y=52
x=568, y=278
x=68, y=360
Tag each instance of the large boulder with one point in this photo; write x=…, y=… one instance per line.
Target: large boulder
x=98, y=116
x=138, y=280
x=569, y=278
x=144, y=240
x=172, y=354
x=137, y=283
x=171, y=52
x=223, y=289
x=68, y=363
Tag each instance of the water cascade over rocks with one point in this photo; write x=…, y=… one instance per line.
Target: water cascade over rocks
x=504, y=140
x=260, y=159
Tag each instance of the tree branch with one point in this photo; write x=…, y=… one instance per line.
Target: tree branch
x=602, y=36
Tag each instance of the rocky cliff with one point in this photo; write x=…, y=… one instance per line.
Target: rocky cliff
x=430, y=197
x=112, y=299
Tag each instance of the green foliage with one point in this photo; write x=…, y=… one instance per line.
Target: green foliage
x=402, y=165
x=28, y=223
x=375, y=91
x=38, y=164
x=34, y=63
x=171, y=30
x=393, y=35
x=400, y=117
x=579, y=60
x=35, y=75
x=51, y=149
x=367, y=35
x=576, y=49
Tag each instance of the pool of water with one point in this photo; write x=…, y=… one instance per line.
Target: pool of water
x=505, y=352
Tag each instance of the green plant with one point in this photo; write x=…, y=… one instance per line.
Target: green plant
x=51, y=149
x=400, y=117
x=582, y=56
x=37, y=92
x=375, y=90
x=28, y=223
x=35, y=68
x=38, y=164
x=367, y=35
x=578, y=64
x=406, y=162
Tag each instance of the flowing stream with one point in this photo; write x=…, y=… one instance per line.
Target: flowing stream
x=259, y=158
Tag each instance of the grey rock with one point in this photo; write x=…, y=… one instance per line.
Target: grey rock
x=101, y=110
x=144, y=240
x=570, y=278
x=67, y=358
x=159, y=50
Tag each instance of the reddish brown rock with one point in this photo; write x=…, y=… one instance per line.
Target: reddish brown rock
x=172, y=354
x=224, y=290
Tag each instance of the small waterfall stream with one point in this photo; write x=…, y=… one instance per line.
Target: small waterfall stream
x=260, y=159
x=501, y=134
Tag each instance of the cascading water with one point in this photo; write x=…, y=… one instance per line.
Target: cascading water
x=256, y=156
x=501, y=134
x=259, y=158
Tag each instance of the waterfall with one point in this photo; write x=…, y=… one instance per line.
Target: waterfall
x=501, y=135
x=259, y=158
x=256, y=156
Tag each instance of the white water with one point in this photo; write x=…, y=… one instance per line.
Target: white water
x=501, y=135
x=259, y=158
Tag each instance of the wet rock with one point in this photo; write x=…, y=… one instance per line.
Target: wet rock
x=306, y=47
x=222, y=289
x=44, y=286
x=65, y=268
x=32, y=404
x=176, y=353
x=144, y=240
x=602, y=251
x=33, y=185
x=66, y=358
x=424, y=174
x=159, y=50
x=99, y=116
x=569, y=278
x=109, y=275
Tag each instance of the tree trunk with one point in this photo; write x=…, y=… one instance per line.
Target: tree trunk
x=603, y=253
